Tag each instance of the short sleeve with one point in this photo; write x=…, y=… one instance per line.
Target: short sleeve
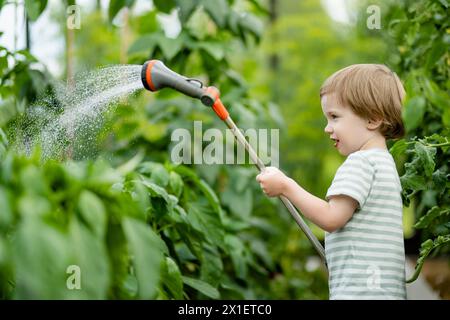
x=354, y=178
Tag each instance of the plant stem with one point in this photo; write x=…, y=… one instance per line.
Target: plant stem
x=437, y=144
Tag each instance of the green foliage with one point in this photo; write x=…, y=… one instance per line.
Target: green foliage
x=148, y=229
x=129, y=236
x=34, y=8
x=425, y=249
x=21, y=82
x=59, y=215
x=116, y=5
x=419, y=45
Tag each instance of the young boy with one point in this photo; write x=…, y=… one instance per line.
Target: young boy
x=362, y=216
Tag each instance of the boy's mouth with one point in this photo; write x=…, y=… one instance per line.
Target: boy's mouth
x=336, y=142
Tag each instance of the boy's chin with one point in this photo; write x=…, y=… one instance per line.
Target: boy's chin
x=345, y=152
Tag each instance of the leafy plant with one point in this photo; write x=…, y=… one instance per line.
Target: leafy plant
x=419, y=42
x=57, y=215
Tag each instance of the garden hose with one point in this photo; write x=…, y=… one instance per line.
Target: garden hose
x=156, y=76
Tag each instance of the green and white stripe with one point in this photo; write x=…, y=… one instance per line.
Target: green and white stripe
x=366, y=258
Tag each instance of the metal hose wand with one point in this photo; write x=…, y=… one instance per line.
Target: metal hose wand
x=155, y=76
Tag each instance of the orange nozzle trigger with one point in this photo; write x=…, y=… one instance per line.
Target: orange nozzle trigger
x=148, y=75
x=218, y=106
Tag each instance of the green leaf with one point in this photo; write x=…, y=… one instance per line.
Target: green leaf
x=431, y=215
x=32, y=181
x=426, y=155
x=237, y=251
x=425, y=249
x=211, y=196
x=414, y=112
x=258, y=4
x=212, y=267
x=435, y=95
x=155, y=190
x=446, y=117
x=89, y=254
x=250, y=23
x=131, y=164
x=28, y=56
x=8, y=111
x=93, y=212
x=175, y=183
x=186, y=7
x=215, y=49
x=41, y=257
x=208, y=172
x=233, y=21
x=145, y=22
x=38, y=80
x=158, y=174
x=202, y=287
x=147, y=252
x=170, y=47
x=100, y=174
x=444, y=3
x=240, y=203
x=172, y=278
x=440, y=179
x=260, y=248
x=164, y=5
x=413, y=181
x=33, y=206
x=3, y=61
x=205, y=221
x=438, y=49
x=139, y=194
x=218, y=11
x=116, y=5
x=186, y=172
x=34, y=8
x=145, y=43
x=398, y=148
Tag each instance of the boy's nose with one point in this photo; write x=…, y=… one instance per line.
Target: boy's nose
x=328, y=129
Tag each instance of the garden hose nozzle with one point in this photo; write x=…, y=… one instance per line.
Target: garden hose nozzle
x=155, y=76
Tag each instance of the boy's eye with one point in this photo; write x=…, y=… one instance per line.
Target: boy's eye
x=333, y=116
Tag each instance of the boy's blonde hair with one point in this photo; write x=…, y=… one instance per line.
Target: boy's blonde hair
x=373, y=92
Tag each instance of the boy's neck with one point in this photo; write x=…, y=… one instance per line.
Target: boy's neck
x=375, y=142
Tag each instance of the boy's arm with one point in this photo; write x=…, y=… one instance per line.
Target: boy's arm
x=330, y=216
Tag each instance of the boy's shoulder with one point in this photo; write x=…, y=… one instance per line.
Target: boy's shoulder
x=369, y=154
x=358, y=156
x=369, y=158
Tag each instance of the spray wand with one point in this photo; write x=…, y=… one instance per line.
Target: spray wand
x=156, y=76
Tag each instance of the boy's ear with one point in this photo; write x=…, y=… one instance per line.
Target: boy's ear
x=373, y=124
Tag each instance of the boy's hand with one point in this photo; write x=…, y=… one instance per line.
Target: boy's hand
x=272, y=181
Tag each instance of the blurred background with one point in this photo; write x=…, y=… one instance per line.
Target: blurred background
x=213, y=234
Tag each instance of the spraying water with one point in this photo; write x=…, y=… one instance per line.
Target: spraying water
x=71, y=116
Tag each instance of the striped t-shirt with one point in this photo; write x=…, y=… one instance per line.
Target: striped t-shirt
x=366, y=257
